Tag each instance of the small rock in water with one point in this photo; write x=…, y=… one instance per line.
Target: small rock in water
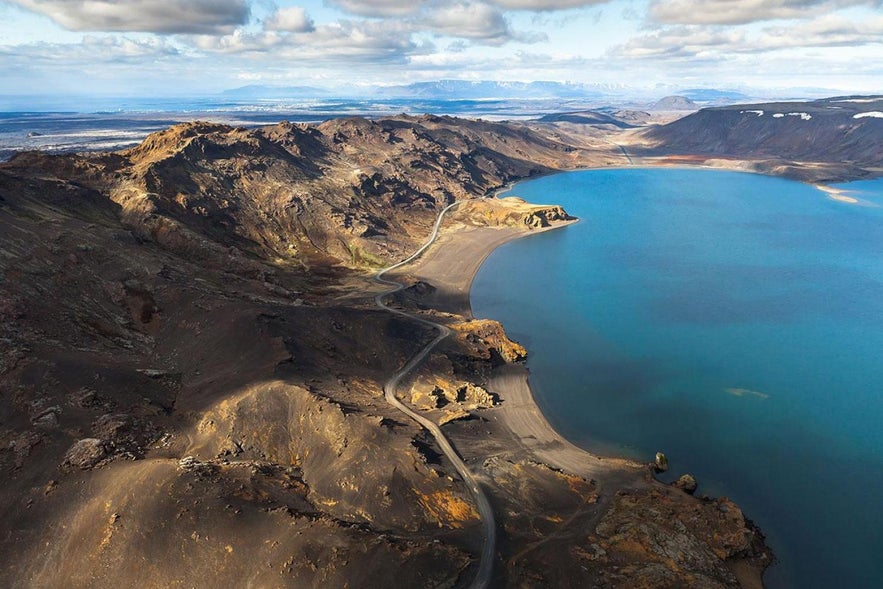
x=661, y=464
x=686, y=483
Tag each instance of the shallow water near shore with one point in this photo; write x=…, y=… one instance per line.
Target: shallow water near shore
x=732, y=320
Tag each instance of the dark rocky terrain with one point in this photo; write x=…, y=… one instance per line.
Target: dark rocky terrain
x=823, y=140
x=191, y=376
x=622, y=119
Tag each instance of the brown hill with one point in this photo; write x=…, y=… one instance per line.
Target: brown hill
x=350, y=190
x=841, y=132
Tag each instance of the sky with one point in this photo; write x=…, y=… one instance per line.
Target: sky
x=194, y=47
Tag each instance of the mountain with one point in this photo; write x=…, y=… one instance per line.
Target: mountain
x=468, y=90
x=712, y=96
x=821, y=139
x=258, y=92
x=674, y=103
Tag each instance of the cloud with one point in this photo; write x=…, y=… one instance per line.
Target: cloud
x=826, y=31
x=386, y=8
x=694, y=42
x=545, y=5
x=735, y=12
x=156, y=16
x=292, y=20
x=679, y=42
x=379, y=8
x=474, y=21
x=344, y=42
x=489, y=66
x=106, y=49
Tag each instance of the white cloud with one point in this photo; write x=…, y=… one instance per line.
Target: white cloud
x=489, y=66
x=679, y=42
x=91, y=50
x=717, y=42
x=379, y=8
x=393, y=8
x=825, y=31
x=156, y=16
x=342, y=42
x=474, y=21
x=545, y=5
x=294, y=20
x=743, y=11
x=358, y=42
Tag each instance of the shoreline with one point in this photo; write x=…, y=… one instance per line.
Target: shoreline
x=739, y=166
x=518, y=424
x=451, y=264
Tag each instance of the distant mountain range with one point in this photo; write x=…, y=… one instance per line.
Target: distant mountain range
x=259, y=92
x=463, y=89
x=486, y=90
x=710, y=95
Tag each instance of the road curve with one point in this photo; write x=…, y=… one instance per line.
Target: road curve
x=486, y=561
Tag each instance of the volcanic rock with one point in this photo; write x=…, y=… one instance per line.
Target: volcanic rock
x=660, y=464
x=686, y=483
x=84, y=454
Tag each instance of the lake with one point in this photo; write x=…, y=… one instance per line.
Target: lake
x=733, y=321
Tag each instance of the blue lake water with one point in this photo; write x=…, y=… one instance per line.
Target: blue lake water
x=734, y=321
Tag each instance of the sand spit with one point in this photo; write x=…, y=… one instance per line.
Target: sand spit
x=837, y=194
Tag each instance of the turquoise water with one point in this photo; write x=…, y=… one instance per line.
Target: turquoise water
x=735, y=322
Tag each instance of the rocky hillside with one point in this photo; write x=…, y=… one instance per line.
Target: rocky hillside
x=191, y=372
x=842, y=132
x=350, y=191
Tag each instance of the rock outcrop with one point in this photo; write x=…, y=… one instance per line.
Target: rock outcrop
x=686, y=483
x=486, y=339
x=660, y=463
x=510, y=212
x=653, y=523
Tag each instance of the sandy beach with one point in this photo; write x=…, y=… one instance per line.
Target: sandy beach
x=450, y=265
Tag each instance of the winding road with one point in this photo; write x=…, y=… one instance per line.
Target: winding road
x=486, y=560
x=624, y=152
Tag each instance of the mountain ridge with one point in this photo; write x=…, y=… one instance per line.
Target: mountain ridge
x=820, y=140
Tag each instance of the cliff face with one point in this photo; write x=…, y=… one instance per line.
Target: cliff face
x=191, y=372
x=844, y=133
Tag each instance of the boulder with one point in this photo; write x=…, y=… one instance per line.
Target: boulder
x=661, y=463
x=475, y=396
x=84, y=454
x=686, y=483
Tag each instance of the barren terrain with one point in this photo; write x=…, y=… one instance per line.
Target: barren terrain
x=192, y=369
